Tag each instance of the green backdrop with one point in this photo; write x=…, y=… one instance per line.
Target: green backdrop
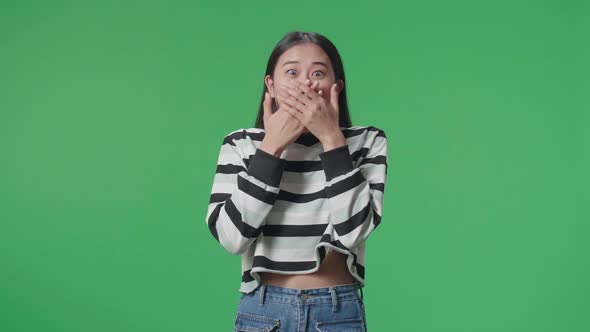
x=112, y=114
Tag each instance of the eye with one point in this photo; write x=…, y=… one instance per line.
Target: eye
x=317, y=71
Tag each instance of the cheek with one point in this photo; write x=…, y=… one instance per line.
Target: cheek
x=325, y=92
x=280, y=95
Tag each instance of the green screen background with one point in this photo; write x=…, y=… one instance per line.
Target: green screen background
x=112, y=114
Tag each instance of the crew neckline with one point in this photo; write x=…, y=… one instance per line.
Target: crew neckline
x=309, y=138
x=306, y=139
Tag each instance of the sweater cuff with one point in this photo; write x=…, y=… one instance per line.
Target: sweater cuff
x=266, y=167
x=336, y=162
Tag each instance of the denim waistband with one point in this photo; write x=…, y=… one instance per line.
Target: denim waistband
x=329, y=294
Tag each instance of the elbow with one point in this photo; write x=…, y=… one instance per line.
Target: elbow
x=236, y=248
x=351, y=239
x=235, y=244
x=231, y=238
x=231, y=247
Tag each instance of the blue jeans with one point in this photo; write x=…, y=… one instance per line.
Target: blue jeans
x=274, y=308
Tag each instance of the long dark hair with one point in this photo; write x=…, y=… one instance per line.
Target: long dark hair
x=297, y=37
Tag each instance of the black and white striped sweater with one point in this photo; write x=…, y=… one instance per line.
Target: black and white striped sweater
x=283, y=214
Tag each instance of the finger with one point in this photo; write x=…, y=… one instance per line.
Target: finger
x=305, y=90
x=334, y=96
x=296, y=96
x=267, y=107
x=294, y=112
x=314, y=85
x=292, y=102
x=320, y=91
x=301, y=89
x=295, y=99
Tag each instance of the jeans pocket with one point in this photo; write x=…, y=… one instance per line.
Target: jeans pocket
x=341, y=325
x=249, y=322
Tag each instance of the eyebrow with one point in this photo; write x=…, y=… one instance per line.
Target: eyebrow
x=313, y=63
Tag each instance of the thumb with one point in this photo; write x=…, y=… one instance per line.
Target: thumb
x=267, y=107
x=334, y=96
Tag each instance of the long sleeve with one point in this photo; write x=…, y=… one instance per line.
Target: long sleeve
x=242, y=195
x=355, y=195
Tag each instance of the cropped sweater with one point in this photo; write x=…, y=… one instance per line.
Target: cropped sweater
x=283, y=214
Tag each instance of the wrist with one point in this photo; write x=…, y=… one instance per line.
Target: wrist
x=333, y=141
x=270, y=148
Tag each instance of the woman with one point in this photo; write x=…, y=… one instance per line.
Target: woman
x=298, y=194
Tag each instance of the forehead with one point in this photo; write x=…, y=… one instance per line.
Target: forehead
x=304, y=53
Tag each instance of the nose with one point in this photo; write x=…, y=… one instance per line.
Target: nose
x=307, y=79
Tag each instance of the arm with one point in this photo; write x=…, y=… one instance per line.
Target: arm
x=242, y=195
x=355, y=195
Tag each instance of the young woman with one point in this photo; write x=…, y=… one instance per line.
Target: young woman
x=298, y=194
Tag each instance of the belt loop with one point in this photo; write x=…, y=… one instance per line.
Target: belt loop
x=334, y=299
x=262, y=288
x=362, y=297
x=359, y=286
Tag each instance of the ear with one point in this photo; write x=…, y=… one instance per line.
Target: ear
x=269, y=85
x=340, y=84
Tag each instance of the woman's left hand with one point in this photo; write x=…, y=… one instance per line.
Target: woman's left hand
x=319, y=116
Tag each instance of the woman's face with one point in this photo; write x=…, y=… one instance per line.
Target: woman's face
x=301, y=62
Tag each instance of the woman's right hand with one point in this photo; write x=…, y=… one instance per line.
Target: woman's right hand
x=281, y=128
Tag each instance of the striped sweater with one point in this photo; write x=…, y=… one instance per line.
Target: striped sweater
x=283, y=214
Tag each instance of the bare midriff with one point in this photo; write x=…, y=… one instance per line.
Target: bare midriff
x=333, y=271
